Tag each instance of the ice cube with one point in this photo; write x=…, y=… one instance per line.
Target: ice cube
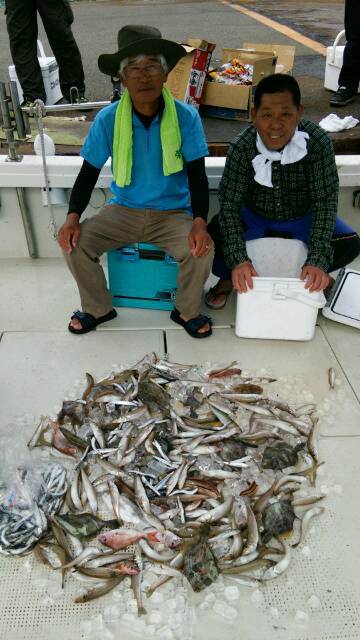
x=231, y=593
x=301, y=617
x=204, y=606
x=40, y=583
x=131, y=605
x=27, y=566
x=98, y=622
x=155, y=617
x=128, y=619
x=225, y=611
x=324, y=489
x=180, y=602
x=46, y=602
x=157, y=597
x=274, y=612
x=166, y=634
x=306, y=551
x=257, y=597
x=210, y=597
x=85, y=627
x=314, y=602
x=112, y=612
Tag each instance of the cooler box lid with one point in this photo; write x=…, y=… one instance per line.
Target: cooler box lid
x=343, y=305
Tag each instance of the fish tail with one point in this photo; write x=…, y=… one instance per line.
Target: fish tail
x=153, y=536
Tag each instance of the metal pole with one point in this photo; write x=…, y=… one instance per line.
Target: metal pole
x=29, y=233
x=21, y=119
x=68, y=107
x=7, y=125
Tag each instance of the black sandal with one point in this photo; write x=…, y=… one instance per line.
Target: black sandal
x=192, y=326
x=89, y=322
x=218, y=290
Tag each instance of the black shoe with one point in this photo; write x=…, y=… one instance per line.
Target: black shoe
x=63, y=100
x=342, y=97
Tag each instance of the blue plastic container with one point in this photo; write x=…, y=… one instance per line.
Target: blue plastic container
x=142, y=275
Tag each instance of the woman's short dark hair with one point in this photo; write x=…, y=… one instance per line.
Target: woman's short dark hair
x=277, y=83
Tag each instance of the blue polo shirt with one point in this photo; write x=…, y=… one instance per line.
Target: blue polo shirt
x=149, y=188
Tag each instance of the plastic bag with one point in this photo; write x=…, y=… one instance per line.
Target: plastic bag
x=36, y=493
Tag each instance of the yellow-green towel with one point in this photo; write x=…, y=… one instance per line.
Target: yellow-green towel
x=169, y=135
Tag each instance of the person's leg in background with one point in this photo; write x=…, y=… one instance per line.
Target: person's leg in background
x=57, y=17
x=350, y=72
x=21, y=20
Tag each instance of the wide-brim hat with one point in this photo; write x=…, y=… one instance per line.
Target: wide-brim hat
x=136, y=40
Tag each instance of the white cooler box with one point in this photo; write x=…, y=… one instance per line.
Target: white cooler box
x=343, y=304
x=334, y=60
x=50, y=73
x=278, y=307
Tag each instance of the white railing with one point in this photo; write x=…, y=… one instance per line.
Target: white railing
x=62, y=171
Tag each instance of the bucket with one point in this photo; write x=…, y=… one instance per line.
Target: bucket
x=278, y=307
x=334, y=62
x=50, y=73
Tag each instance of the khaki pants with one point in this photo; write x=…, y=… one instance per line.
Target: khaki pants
x=115, y=226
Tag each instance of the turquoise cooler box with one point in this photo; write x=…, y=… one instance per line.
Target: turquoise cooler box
x=142, y=275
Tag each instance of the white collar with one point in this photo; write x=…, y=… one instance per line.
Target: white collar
x=294, y=150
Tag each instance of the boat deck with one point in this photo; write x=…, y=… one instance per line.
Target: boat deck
x=41, y=363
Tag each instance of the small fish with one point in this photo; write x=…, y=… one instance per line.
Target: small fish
x=121, y=538
x=224, y=373
x=73, y=438
x=281, y=566
x=82, y=525
x=200, y=566
x=126, y=567
x=98, y=592
x=332, y=378
x=136, y=587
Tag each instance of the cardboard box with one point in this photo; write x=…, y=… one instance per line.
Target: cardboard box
x=186, y=80
x=285, y=54
x=234, y=102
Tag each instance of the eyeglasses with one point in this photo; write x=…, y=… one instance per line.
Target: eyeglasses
x=152, y=70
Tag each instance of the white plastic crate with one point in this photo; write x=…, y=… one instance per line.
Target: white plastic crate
x=278, y=307
x=334, y=61
x=50, y=73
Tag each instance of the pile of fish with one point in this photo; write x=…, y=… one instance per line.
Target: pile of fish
x=180, y=471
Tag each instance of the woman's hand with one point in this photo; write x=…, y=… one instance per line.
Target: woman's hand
x=242, y=276
x=315, y=279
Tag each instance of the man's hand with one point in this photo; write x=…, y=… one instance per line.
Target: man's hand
x=69, y=233
x=315, y=279
x=200, y=242
x=242, y=276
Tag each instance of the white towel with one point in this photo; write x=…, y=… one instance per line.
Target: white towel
x=293, y=151
x=333, y=123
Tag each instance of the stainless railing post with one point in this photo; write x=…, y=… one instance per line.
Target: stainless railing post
x=21, y=118
x=28, y=228
x=7, y=125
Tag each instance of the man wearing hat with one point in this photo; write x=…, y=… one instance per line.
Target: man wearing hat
x=159, y=189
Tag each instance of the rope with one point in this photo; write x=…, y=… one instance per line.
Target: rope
x=39, y=111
